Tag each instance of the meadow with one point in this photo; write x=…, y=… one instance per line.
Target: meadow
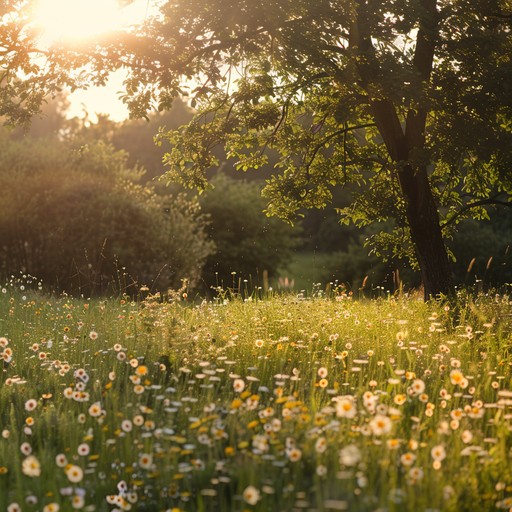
x=279, y=403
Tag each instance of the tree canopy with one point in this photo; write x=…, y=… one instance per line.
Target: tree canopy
x=408, y=101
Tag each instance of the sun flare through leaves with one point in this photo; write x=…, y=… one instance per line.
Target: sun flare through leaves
x=76, y=20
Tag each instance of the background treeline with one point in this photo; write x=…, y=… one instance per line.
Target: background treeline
x=81, y=209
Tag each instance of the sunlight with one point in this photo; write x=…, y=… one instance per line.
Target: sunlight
x=76, y=20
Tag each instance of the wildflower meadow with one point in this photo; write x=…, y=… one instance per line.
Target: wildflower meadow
x=277, y=403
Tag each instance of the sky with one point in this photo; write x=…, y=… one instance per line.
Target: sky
x=100, y=100
x=105, y=100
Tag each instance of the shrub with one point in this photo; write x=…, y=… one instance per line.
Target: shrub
x=247, y=241
x=78, y=220
x=482, y=251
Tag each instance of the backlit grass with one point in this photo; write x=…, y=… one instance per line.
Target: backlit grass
x=274, y=405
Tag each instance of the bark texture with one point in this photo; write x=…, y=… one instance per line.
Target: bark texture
x=403, y=139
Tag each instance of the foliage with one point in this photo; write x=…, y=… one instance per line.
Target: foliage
x=78, y=220
x=246, y=241
x=483, y=251
x=261, y=405
x=136, y=136
x=407, y=101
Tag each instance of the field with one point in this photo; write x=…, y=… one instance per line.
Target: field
x=274, y=404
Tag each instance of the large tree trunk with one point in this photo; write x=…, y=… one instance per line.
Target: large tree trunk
x=421, y=209
x=423, y=219
x=402, y=141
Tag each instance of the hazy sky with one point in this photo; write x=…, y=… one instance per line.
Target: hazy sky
x=100, y=100
x=106, y=100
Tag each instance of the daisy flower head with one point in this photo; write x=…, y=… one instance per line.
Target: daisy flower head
x=415, y=474
x=323, y=383
x=83, y=449
x=74, y=473
x=141, y=370
x=31, y=466
x=438, y=453
x=467, y=436
x=30, y=404
x=251, y=495
x=381, y=425
x=294, y=454
x=407, y=459
x=95, y=410
x=51, y=507
x=322, y=372
x=457, y=377
x=126, y=426
x=350, y=455
x=345, y=407
x=321, y=445
x=61, y=460
x=417, y=387
x=77, y=502
x=25, y=448
x=238, y=385
x=145, y=460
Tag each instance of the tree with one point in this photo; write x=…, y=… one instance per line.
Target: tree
x=409, y=100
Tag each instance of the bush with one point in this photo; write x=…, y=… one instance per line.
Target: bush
x=483, y=250
x=247, y=241
x=79, y=221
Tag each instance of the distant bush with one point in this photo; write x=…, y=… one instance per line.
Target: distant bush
x=247, y=241
x=483, y=250
x=79, y=221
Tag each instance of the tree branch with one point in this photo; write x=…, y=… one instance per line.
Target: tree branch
x=474, y=204
x=343, y=131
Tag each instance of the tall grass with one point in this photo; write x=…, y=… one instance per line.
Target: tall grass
x=273, y=405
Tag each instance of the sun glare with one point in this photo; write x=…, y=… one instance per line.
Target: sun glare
x=76, y=20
